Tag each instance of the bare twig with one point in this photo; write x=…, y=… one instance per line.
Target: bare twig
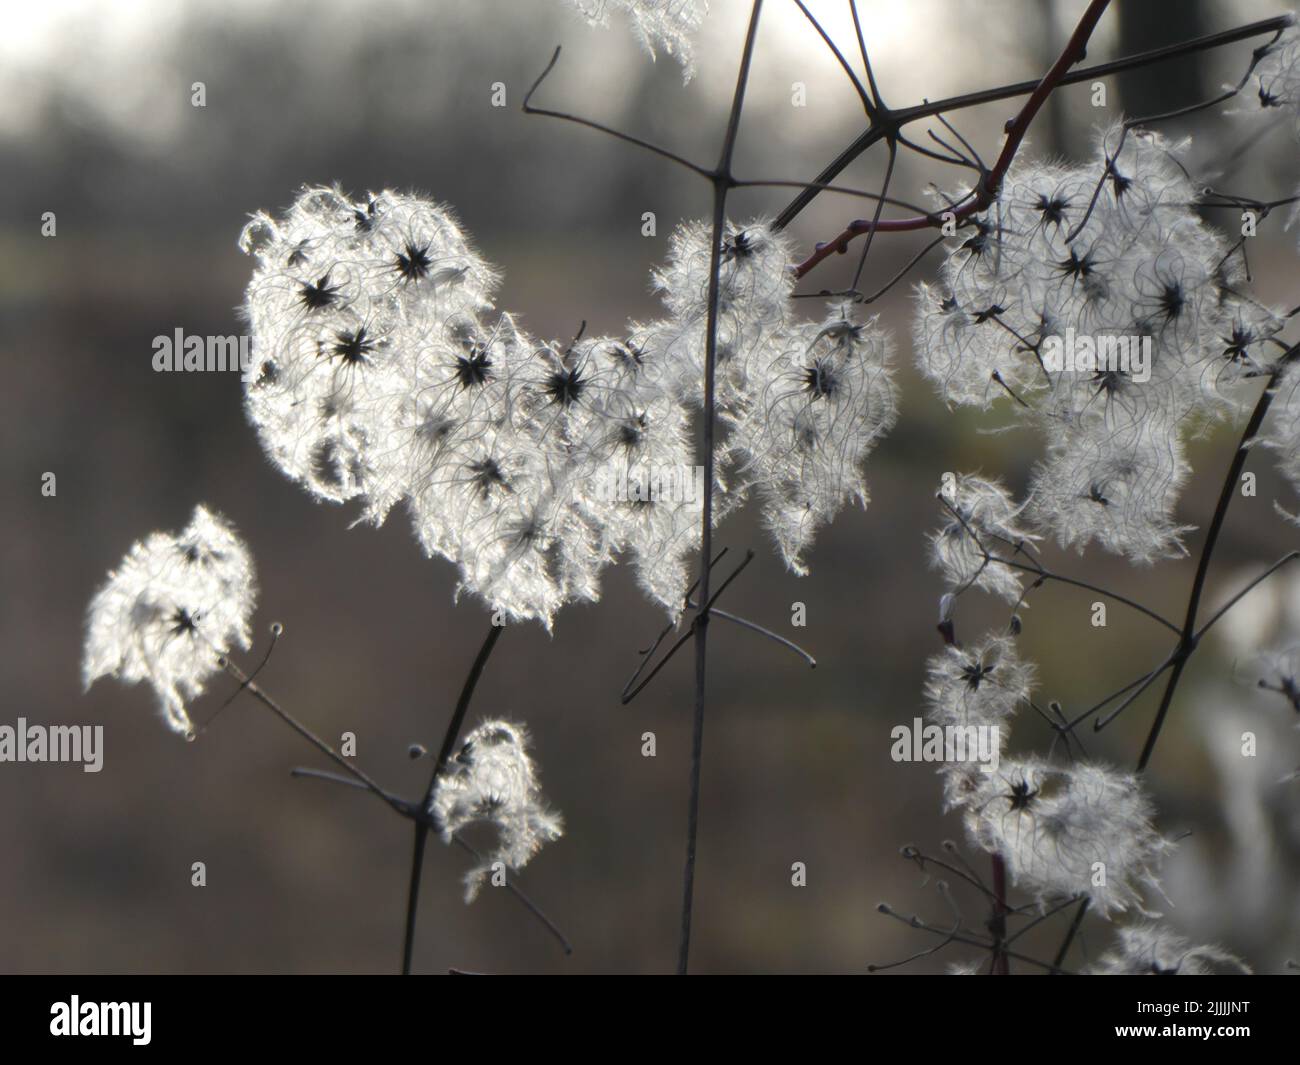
x=890, y=121
x=991, y=180
x=444, y=753
x=1189, y=636
x=721, y=179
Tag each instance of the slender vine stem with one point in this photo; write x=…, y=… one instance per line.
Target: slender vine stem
x=417, y=812
x=722, y=182
x=990, y=181
x=1042, y=573
x=998, y=922
x=1070, y=933
x=632, y=689
x=1134, y=123
x=1189, y=637
x=525, y=901
x=257, y=692
x=956, y=935
x=1290, y=556
x=888, y=121
x=444, y=753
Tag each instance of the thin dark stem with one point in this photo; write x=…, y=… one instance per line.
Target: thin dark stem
x=663, y=153
x=878, y=131
x=257, y=692
x=721, y=182
x=276, y=630
x=528, y=904
x=700, y=625
x=884, y=289
x=991, y=180
x=866, y=58
x=649, y=652
x=462, y=705
x=970, y=157
x=629, y=695
x=444, y=753
x=941, y=157
x=1134, y=123
x=843, y=190
x=413, y=894
x=321, y=774
x=1040, y=919
x=867, y=104
x=915, y=855
x=880, y=207
x=1042, y=573
x=1189, y=636
x=1134, y=696
x=957, y=936
x=776, y=637
x=1289, y=557
x=1049, y=575
x=1141, y=683
x=998, y=922
x=681, y=641
x=1073, y=931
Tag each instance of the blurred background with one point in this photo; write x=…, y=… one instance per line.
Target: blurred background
x=150, y=193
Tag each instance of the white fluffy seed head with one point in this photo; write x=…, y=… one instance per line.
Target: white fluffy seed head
x=669, y=25
x=382, y=374
x=980, y=519
x=1066, y=831
x=817, y=398
x=492, y=780
x=755, y=280
x=981, y=685
x=1276, y=79
x=1093, y=303
x=171, y=609
x=1150, y=949
x=1281, y=433
x=1117, y=488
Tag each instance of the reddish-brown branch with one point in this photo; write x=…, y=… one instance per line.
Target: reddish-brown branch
x=983, y=194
